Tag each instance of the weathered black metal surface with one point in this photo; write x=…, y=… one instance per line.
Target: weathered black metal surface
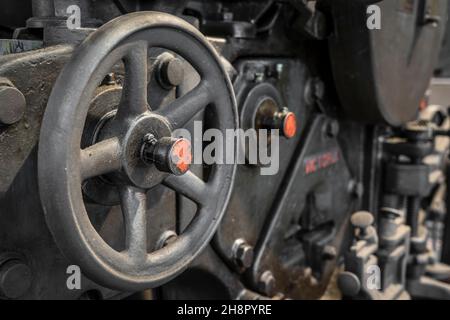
x=308, y=217
x=382, y=74
x=131, y=225
x=19, y=139
x=242, y=208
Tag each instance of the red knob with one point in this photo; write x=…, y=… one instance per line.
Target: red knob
x=289, y=127
x=168, y=154
x=181, y=156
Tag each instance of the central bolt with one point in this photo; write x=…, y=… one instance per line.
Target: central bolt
x=283, y=120
x=167, y=154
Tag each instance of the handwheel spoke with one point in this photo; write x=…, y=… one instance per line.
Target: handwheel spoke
x=134, y=95
x=133, y=203
x=183, y=109
x=100, y=158
x=188, y=185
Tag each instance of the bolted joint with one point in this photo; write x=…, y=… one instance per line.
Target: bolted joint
x=168, y=154
x=266, y=283
x=243, y=254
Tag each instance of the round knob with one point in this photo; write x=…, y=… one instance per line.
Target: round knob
x=289, y=124
x=271, y=118
x=167, y=154
x=349, y=284
x=283, y=120
x=362, y=220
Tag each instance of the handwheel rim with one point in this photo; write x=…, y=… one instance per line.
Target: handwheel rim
x=65, y=213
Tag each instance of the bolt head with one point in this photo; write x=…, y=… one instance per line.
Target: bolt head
x=171, y=72
x=266, y=283
x=110, y=79
x=319, y=89
x=227, y=16
x=13, y=105
x=15, y=279
x=329, y=253
x=150, y=139
x=349, y=284
x=244, y=255
x=332, y=128
x=356, y=189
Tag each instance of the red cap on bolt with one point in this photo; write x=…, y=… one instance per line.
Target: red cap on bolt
x=289, y=127
x=167, y=154
x=180, y=155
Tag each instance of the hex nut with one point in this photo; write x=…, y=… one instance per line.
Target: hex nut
x=266, y=283
x=243, y=253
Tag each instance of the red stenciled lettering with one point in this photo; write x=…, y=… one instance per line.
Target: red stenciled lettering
x=310, y=166
x=321, y=161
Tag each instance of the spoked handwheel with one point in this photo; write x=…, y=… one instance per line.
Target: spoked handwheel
x=134, y=149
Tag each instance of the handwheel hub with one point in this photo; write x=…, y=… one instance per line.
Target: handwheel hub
x=167, y=154
x=143, y=174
